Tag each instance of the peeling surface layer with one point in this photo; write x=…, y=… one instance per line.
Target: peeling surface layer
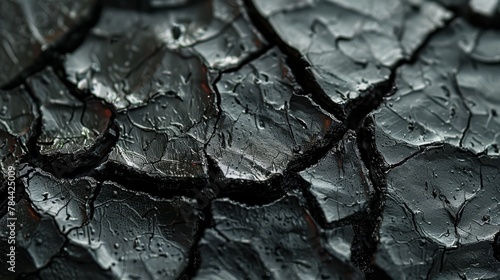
x=73, y=132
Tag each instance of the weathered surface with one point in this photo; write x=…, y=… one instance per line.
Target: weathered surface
x=73, y=133
x=276, y=241
x=125, y=59
x=351, y=46
x=340, y=182
x=18, y=113
x=31, y=28
x=264, y=123
x=128, y=234
x=229, y=139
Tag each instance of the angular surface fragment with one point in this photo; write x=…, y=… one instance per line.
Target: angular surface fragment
x=480, y=219
x=37, y=240
x=74, y=133
x=351, y=45
x=164, y=137
x=18, y=113
x=67, y=201
x=125, y=61
x=340, y=240
x=29, y=28
x=435, y=186
x=264, y=124
x=340, y=182
x=130, y=234
x=442, y=198
x=404, y=252
x=278, y=241
x=473, y=261
x=156, y=154
x=449, y=95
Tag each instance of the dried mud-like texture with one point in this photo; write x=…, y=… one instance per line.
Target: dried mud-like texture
x=165, y=136
x=31, y=28
x=73, y=133
x=351, y=46
x=121, y=60
x=275, y=241
x=449, y=95
x=437, y=202
x=250, y=139
x=340, y=182
x=18, y=112
x=127, y=234
x=264, y=124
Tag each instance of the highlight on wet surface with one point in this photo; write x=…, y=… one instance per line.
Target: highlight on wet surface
x=250, y=139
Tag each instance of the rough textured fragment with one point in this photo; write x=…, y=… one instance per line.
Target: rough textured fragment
x=339, y=182
x=132, y=73
x=435, y=186
x=156, y=154
x=68, y=201
x=264, y=124
x=450, y=95
x=29, y=28
x=73, y=132
x=440, y=198
x=473, y=261
x=125, y=60
x=37, y=240
x=351, y=45
x=136, y=236
x=275, y=241
x=17, y=116
x=165, y=136
x=130, y=234
x=404, y=252
x=480, y=219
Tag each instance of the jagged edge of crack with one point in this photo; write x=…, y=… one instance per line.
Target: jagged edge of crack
x=87, y=159
x=68, y=43
x=205, y=222
x=314, y=154
x=360, y=107
x=299, y=66
x=20, y=193
x=296, y=182
x=366, y=231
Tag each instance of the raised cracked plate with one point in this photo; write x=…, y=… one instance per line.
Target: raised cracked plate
x=250, y=139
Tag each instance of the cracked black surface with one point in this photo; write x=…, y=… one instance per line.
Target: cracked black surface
x=251, y=139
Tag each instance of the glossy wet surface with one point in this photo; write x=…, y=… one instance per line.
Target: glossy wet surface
x=251, y=139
